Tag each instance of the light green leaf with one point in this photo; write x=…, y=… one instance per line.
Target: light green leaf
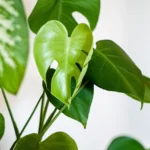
x=13, y=44
x=80, y=105
x=112, y=69
x=58, y=141
x=125, y=143
x=29, y=142
x=52, y=43
x=2, y=126
x=62, y=10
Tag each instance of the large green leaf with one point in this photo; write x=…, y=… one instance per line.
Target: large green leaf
x=52, y=43
x=46, y=10
x=29, y=142
x=58, y=141
x=125, y=143
x=111, y=68
x=2, y=125
x=13, y=44
x=81, y=103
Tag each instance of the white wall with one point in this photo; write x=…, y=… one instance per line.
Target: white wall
x=127, y=23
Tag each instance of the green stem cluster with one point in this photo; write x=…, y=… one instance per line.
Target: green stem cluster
x=43, y=125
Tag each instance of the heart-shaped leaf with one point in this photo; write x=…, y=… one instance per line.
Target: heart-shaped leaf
x=29, y=142
x=62, y=10
x=13, y=44
x=2, y=125
x=52, y=43
x=111, y=68
x=125, y=143
x=81, y=103
x=59, y=141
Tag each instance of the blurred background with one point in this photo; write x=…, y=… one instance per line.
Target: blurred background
x=127, y=22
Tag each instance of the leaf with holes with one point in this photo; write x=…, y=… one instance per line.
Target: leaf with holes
x=59, y=141
x=62, y=10
x=112, y=69
x=2, y=125
x=125, y=143
x=13, y=44
x=52, y=43
x=81, y=103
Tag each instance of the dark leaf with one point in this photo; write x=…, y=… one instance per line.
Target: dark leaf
x=112, y=69
x=46, y=10
x=125, y=143
x=80, y=105
x=2, y=125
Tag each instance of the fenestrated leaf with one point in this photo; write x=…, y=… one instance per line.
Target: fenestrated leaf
x=62, y=10
x=2, y=125
x=112, y=69
x=125, y=143
x=29, y=142
x=52, y=43
x=59, y=141
x=80, y=105
x=13, y=44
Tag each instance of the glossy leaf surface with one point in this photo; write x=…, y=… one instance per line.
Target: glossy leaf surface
x=2, y=125
x=80, y=105
x=112, y=69
x=61, y=10
x=52, y=43
x=58, y=141
x=125, y=143
x=13, y=44
x=29, y=142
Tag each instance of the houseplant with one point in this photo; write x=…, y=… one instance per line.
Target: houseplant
x=109, y=67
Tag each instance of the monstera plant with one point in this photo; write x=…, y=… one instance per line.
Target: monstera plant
x=69, y=87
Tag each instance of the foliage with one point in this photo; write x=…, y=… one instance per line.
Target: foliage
x=14, y=43
x=70, y=86
x=47, y=10
x=125, y=143
x=2, y=126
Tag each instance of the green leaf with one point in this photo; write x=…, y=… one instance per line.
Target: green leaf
x=147, y=89
x=13, y=44
x=125, y=143
x=2, y=126
x=29, y=142
x=81, y=103
x=62, y=10
x=112, y=69
x=52, y=43
x=58, y=141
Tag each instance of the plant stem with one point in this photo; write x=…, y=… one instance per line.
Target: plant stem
x=49, y=119
x=24, y=127
x=10, y=113
x=41, y=114
x=49, y=123
x=52, y=121
x=45, y=109
x=31, y=115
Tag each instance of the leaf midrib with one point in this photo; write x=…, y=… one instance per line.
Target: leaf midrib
x=126, y=81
